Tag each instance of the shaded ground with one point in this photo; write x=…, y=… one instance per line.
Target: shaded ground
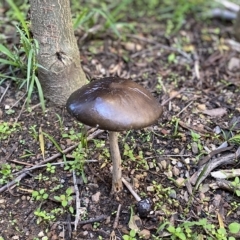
x=158, y=161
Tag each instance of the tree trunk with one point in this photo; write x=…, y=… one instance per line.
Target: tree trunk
x=52, y=27
x=236, y=27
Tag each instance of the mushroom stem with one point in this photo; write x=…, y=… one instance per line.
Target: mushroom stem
x=116, y=160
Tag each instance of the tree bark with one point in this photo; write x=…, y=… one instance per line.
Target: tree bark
x=52, y=27
x=236, y=27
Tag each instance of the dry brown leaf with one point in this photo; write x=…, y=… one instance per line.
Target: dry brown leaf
x=220, y=220
x=41, y=142
x=216, y=112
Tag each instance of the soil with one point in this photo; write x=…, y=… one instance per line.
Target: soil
x=199, y=88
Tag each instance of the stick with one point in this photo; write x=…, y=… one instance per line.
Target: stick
x=205, y=170
x=184, y=54
x=230, y=5
x=77, y=216
x=115, y=224
x=97, y=219
x=23, y=175
x=8, y=85
x=169, y=99
x=45, y=165
x=130, y=188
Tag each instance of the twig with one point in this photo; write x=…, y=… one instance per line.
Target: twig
x=229, y=5
x=97, y=219
x=8, y=85
x=77, y=216
x=184, y=125
x=213, y=153
x=44, y=165
x=130, y=188
x=22, y=163
x=184, y=108
x=226, y=173
x=115, y=224
x=224, y=184
x=169, y=99
x=205, y=170
x=196, y=66
x=184, y=54
x=23, y=175
x=16, y=120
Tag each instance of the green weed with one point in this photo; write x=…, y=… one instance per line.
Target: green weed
x=23, y=58
x=65, y=199
x=131, y=236
x=5, y=173
x=50, y=168
x=44, y=216
x=40, y=195
x=192, y=230
x=6, y=129
x=236, y=186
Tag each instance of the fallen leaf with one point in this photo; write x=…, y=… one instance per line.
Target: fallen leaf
x=41, y=141
x=220, y=220
x=216, y=112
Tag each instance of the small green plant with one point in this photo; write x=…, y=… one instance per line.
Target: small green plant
x=40, y=177
x=235, y=139
x=137, y=158
x=40, y=195
x=44, y=216
x=191, y=230
x=236, y=185
x=33, y=131
x=6, y=129
x=5, y=173
x=163, y=201
x=60, y=122
x=65, y=199
x=50, y=168
x=196, y=138
x=77, y=164
x=23, y=58
x=74, y=136
x=131, y=236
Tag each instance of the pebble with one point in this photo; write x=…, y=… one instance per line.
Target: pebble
x=41, y=234
x=176, y=171
x=163, y=164
x=150, y=188
x=176, y=150
x=23, y=197
x=179, y=164
x=168, y=173
x=96, y=196
x=144, y=234
x=187, y=174
x=174, y=162
x=180, y=182
x=187, y=160
x=151, y=165
x=194, y=148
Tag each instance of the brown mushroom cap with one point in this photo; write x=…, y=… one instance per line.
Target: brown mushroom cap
x=114, y=104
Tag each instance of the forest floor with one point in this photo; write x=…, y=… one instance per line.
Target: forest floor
x=197, y=71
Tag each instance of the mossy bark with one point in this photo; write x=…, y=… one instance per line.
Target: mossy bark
x=51, y=25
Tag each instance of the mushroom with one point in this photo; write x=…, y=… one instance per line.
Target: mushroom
x=116, y=105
